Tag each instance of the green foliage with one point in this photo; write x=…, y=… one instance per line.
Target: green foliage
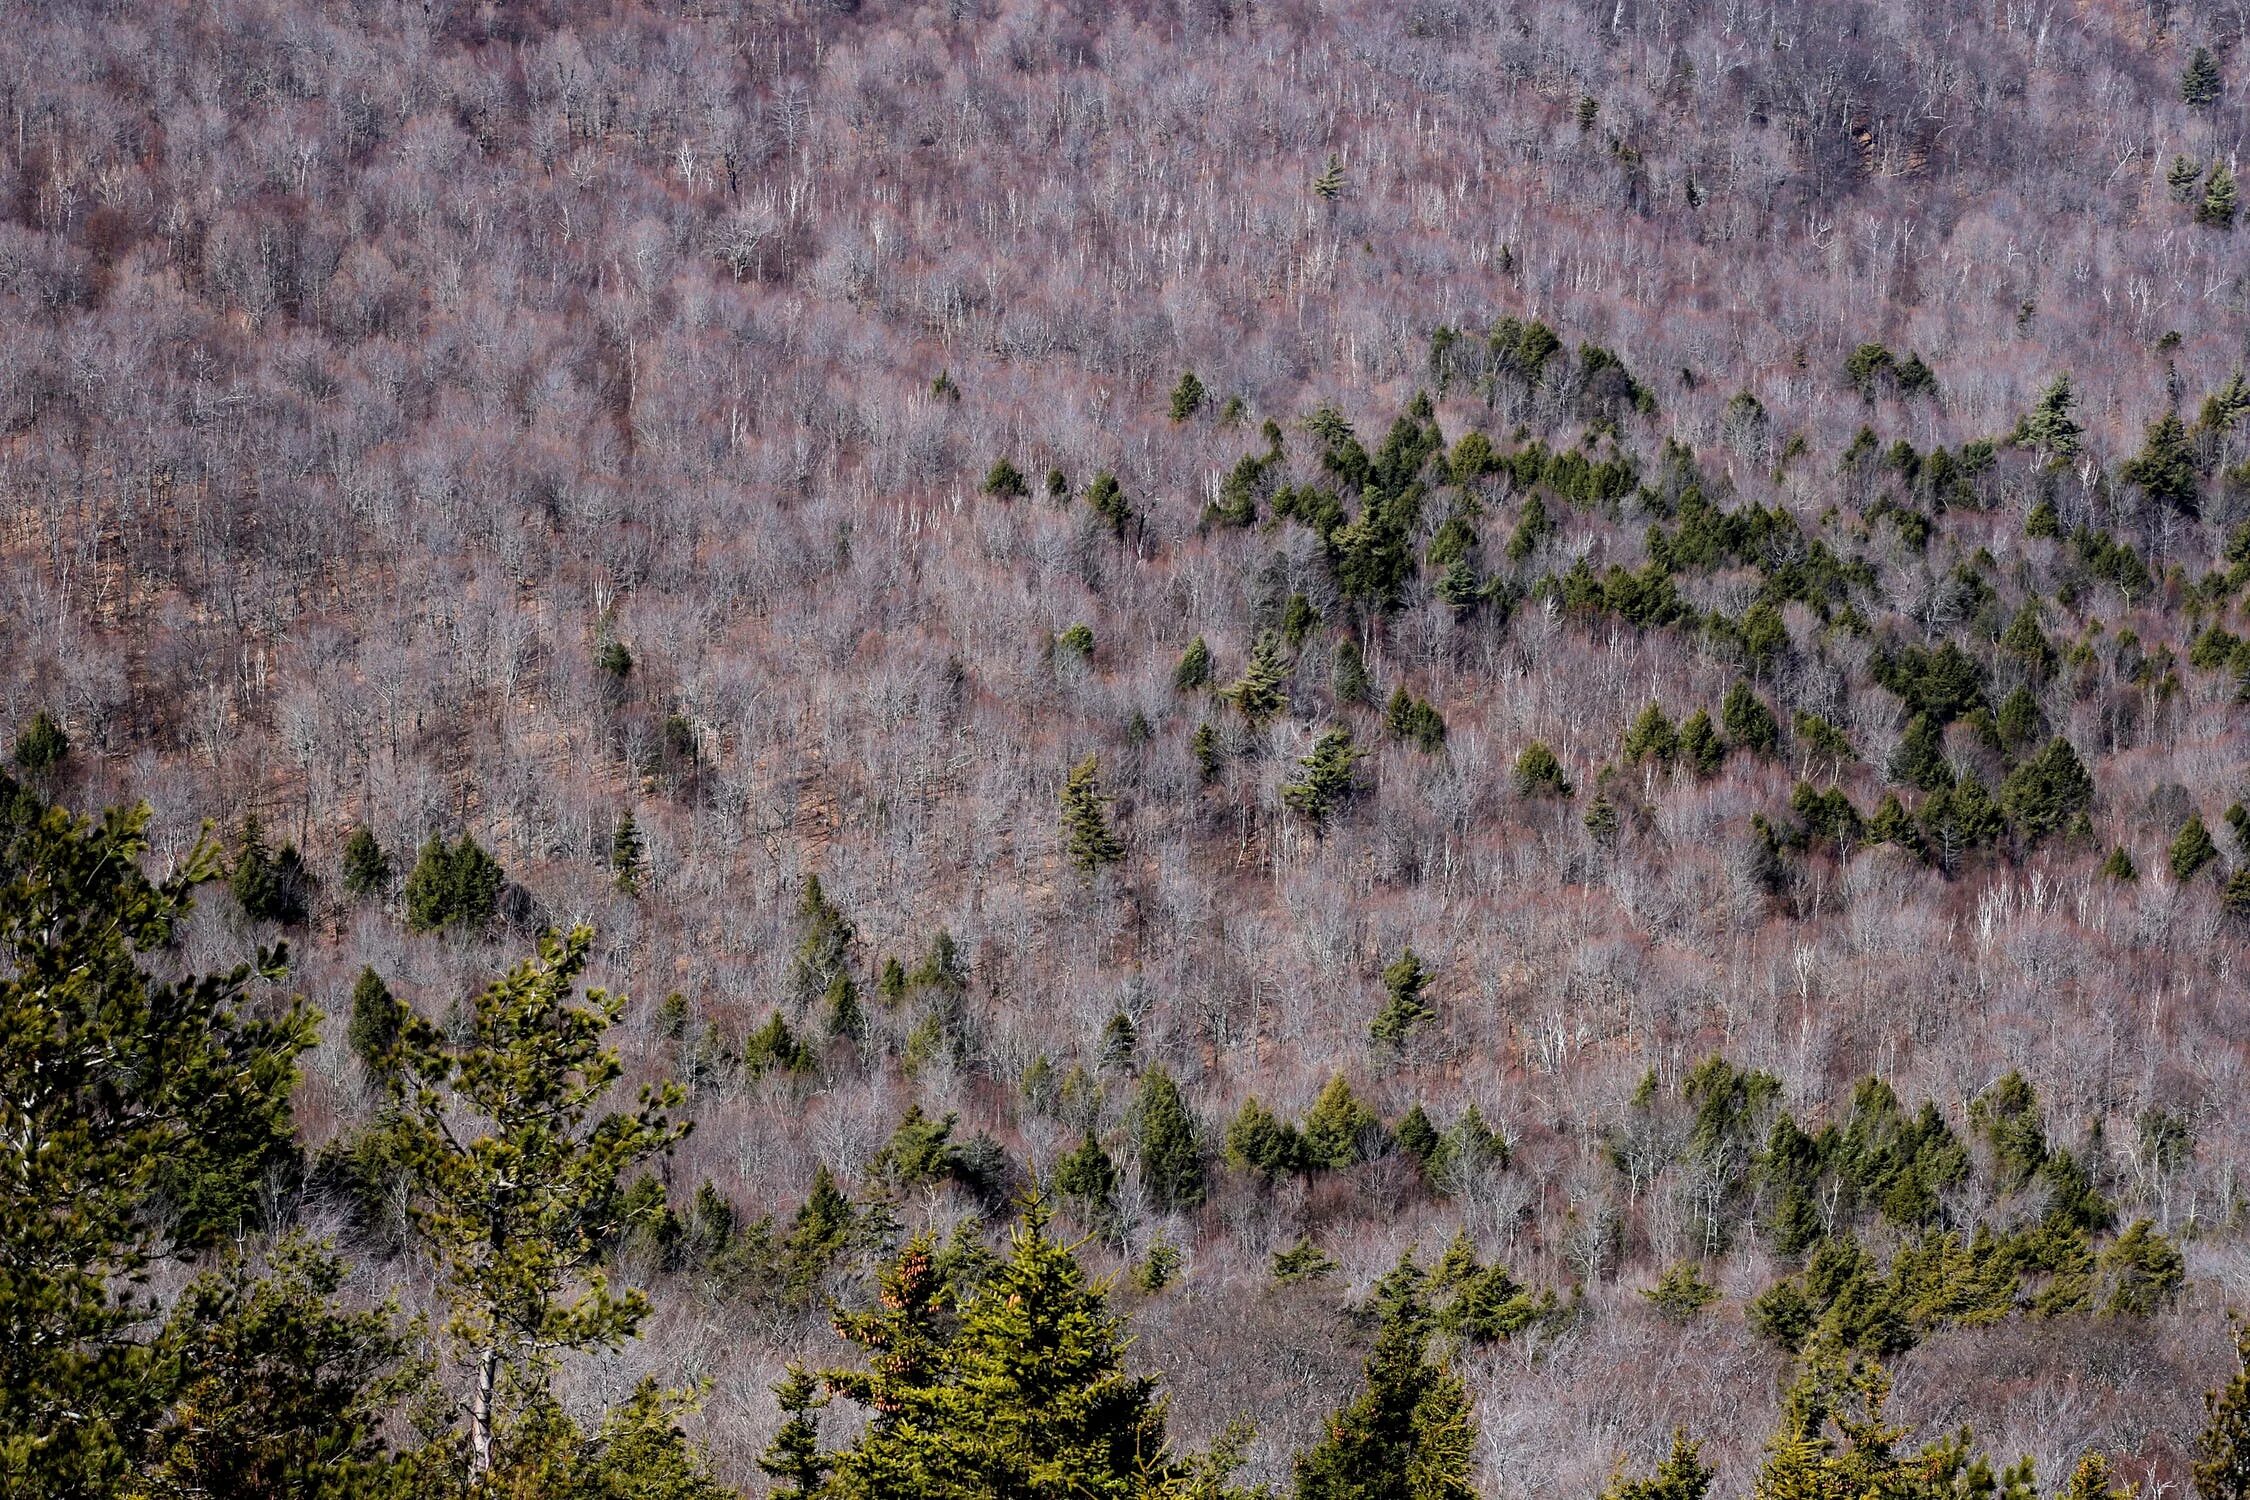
x=1749, y=723
x=1303, y=1261
x=1653, y=737
x=1341, y=1131
x=2165, y=466
x=1330, y=183
x=2221, y=1468
x=41, y=744
x=824, y=950
x=793, y=1457
x=1701, y=749
x=269, y=886
x=367, y=868
x=1681, y=1476
x=1681, y=1292
x=1109, y=503
x=2119, y=867
x=1326, y=777
x=2143, y=1271
x=2045, y=793
x=1262, y=691
x=1261, y=1142
x=514, y=1214
x=1919, y=761
x=1076, y=642
x=2049, y=429
x=453, y=887
x=1539, y=774
x=1348, y=677
x=1087, y=838
x=1203, y=745
x=1089, y=1178
x=2199, y=80
x=2191, y=850
x=1004, y=481
x=1194, y=671
x=1406, y=717
x=1408, y=1434
x=628, y=855
x=920, y=1150
x=1167, y=1142
x=376, y=1021
x=1403, y=982
x=1188, y=396
x=159, y=1106
x=2217, y=210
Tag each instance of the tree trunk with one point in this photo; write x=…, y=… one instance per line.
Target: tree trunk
x=480, y=1412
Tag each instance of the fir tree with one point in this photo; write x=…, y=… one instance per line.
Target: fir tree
x=794, y=1457
x=2192, y=849
x=2165, y=466
x=2221, y=1468
x=1194, y=670
x=1166, y=1141
x=627, y=858
x=1087, y=838
x=2049, y=429
x=1403, y=981
x=1539, y=774
x=1004, y=481
x=1262, y=691
x=1188, y=397
x=1326, y=777
x=1749, y=724
x=1408, y=1434
x=373, y=1031
x=2217, y=209
x=41, y=745
x=367, y=868
x=1340, y=1131
x=2199, y=80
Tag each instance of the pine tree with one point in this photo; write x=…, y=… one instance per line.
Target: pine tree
x=1408, y=1434
x=1262, y=691
x=145, y=1092
x=1403, y=981
x=1749, y=724
x=1700, y=745
x=1681, y=1476
x=1108, y=502
x=1194, y=670
x=2222, y=1450
x=2165, y=466
x=2199, y=81
x=1539, y=774
x=1203, y=745
x=1166, y=1141
x=1341, y=1131
x=269, y=886
x=1187, y=397
x=515, y=1214
x=1004, y=481
x=373, y=1031
x=42, y=744
x=1326, y=777
x=1262, y=1142
x=452, y=886
x=1919, y=761
x=2119, y=867
x=2047, y=791
x=367, y=868
x=1086, y=833
x=2049, y=429
x=627, y=858
x=1652, y=737
x=2192, y=849
x=1330, y=183
x=1089, y=1178
x=2217, y=209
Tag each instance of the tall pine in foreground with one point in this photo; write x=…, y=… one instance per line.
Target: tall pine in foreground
x=2222, y=1450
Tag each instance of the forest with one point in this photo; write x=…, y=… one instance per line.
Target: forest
x=1196, y=748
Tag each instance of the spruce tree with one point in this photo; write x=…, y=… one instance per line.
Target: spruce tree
x=2192, y=849
x=41, y=745
x=1330, y=183
x=1652, y=737
x=452, y=887
x=1262, y=691
x=1167, y=1143
x=2165, y=466
x=2049, y=429
x=1109, y=503
x=2217, y=209
x=1919, y=761
x=1194, y=671
x=1341, y=1131
x=1681, y=1476
x=367, y=868
x=2221, y=1468
x=1539, y=774
x=627, y=857
x=373, y=1031
x=794, y=1457
x=2199, y=80
x=1325, y=778
x=1188, y=396
x=1700, y=746
x=2046, y=792
x=1261, y=1142
x=1749, y=724
x=1403, y=981
x=1408, y=1434
x=1004, y=481
x=1087, y=838
x=1089, y=1178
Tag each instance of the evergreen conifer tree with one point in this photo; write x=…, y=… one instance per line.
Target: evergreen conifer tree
x=2192, y=849
x=1539, y=774
x=1408, y=1434
x=1188, y=396
x=2049, y=429
x=1403, y=981
x=1086, y=833
x=1341, y=1131
x=2199, y=81
x=373, y=1031
x=367, y=868
x=2217, y=210
x=41, y=745
x=1326, y=777
x=2165, y=466
x=2222, y=1450
x=1749, y=724
x=1167, y=1143
x=1262, y=691
x=1194, y=670
x=794, y=1457
x=627, y=857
